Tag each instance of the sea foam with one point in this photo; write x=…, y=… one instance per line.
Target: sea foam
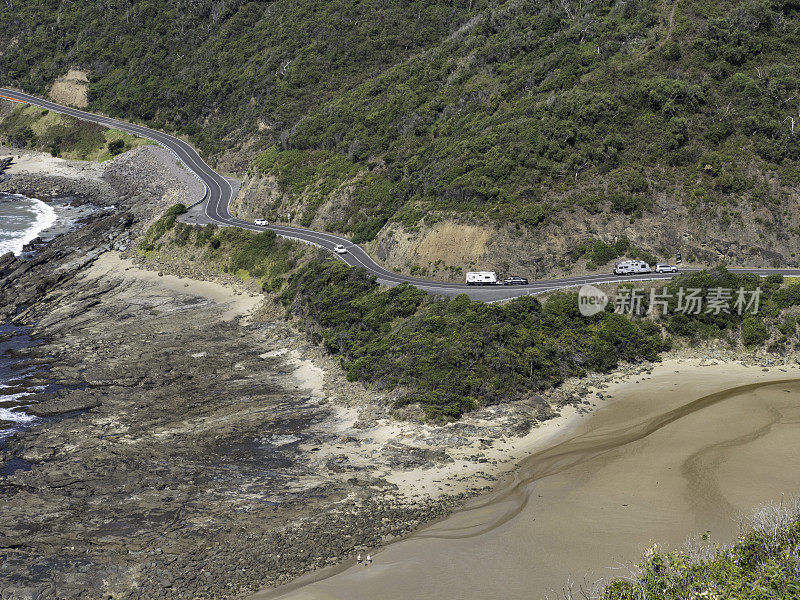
x=42, y=216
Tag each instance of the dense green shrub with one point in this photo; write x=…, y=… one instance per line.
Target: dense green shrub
x=160, y=227
x=754, y=331
x=116, y=147
x=451, y=356
x=763, y=564
x=599, y=253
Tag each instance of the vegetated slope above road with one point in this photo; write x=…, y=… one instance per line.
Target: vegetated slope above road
x=581, y=116
x=217, y=70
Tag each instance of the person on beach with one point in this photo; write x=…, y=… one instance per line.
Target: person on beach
x=358, y=558
x=369, y=561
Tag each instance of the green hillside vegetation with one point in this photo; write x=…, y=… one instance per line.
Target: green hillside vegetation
x=213, y=69
x=261, y=257
x=535, y=108
x=316, y=175
x=511, y=111
x=456, y=355
x=763, y=564
x=452, y=356
x=598, y=253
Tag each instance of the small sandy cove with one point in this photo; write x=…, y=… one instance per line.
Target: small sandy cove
x=671, y=383
x=29, y=161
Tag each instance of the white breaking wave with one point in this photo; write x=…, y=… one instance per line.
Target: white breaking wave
x=15, y=416
x=44, y=217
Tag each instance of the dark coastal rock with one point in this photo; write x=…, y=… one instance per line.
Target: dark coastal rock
x=172, y=460
x=75, y=401
x=410, y=457
x=49, y=187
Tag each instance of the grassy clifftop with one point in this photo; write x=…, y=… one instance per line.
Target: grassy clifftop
x=60, y=135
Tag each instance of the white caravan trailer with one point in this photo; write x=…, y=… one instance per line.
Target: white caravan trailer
x=631, y=267
x=482, y=278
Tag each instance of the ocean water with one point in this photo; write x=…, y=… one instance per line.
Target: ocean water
x=14, y=392
x=22, y=220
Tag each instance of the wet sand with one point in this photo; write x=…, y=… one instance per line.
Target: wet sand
x=670, y=455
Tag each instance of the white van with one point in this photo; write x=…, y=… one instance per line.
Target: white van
x=631, y=267
x=482, y=278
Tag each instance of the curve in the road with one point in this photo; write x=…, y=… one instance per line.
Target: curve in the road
x=219, y=193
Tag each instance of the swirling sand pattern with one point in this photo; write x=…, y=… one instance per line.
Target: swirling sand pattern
x=676, y=455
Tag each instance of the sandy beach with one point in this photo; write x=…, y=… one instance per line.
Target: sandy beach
x=670, y=454
x=32, y=162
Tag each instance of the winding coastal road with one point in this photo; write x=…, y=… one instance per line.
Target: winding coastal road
x=219, y=192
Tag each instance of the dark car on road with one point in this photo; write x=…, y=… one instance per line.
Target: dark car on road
x=514, y=280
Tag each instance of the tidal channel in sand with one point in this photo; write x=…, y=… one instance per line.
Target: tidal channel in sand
x=676, y=453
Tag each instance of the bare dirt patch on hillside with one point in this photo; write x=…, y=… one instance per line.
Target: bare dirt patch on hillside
x=72, y=89
x=444, y=244
x=463, y=242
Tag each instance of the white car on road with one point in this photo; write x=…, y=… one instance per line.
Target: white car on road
x=664, y=268
x=261, y=222
x=339, y=249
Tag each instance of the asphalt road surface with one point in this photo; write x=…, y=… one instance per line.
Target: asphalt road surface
x=219, y=193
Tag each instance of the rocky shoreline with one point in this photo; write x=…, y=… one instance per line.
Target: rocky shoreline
x=186, y=454
x=199, y=446
x=54, y=187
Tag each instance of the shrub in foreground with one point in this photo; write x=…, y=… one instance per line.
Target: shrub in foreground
x=764, y=563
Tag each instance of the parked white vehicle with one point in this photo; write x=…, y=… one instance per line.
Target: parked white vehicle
x=631, y=267
x=482, y=278
x=665, y=268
